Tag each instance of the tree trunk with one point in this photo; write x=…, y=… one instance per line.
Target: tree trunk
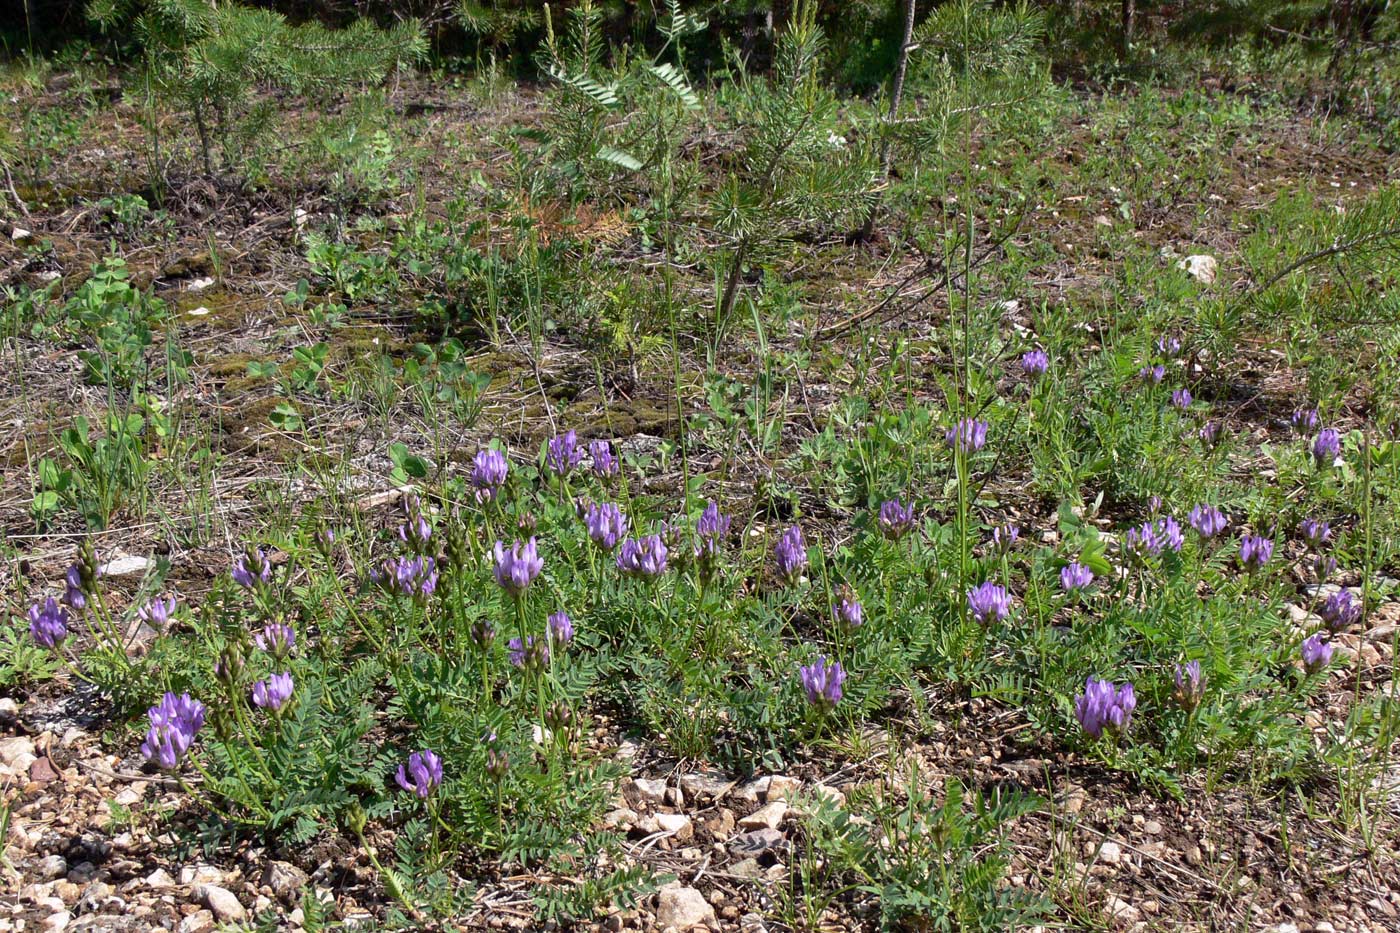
x=1129, y=21
x=896, y=93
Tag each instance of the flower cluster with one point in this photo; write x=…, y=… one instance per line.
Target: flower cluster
x=157, y=612
x=1150, y=539
x=1255, y=551
x=1326, y=447
x=989, y=603
x=564, y=454
x=252, y=568
x=408, y=576
x=1004, y=538
x=968, y=436
x=517, y=567
x=1340, y=611
x=422, y=774
x=174, y=723
x=1035, y=362
x=1188, y=685
x=850, y=615
x=712, y=528
x=1316, y=652
x=605, y=523
x=276, y=639
x=274, y=692
x=1304, y=420
x=1074, y=576
x=791, y=554
x=532, y=654
x=895, y=518
x=1315, y=532
x=643, y=557
x=1207, y=521
x=48, y=623
x=605, y=465
x=822, y=683
x=1181, y=398
x=1104, y=707
x=561, y=628
x=489, y=469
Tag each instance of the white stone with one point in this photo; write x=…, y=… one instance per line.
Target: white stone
x=677, y=824
x=198, y=312
x=649, y=790
x=124, y=566
x=683, y=908
x=18, y=233
x=226, y=907
x=199, y=285
x=159, y=880
x=1120, y=911
x=769, y=816
x=1110, y=853
x=1202, y=268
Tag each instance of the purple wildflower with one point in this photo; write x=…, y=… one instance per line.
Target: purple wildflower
x=1103, y=707
x=517, y=567
x=1207, y=521
x=489, y=469
x=274, y=692
x=605, y=465
x=644, y=556
x=532, y=654
x=1304, y=420
x=895, y=519
x=561, y=628
x=157, y=612
x=1171, y=533
x=1075, y=576
x=791, y=554
x=1035, y=363
x=1210, y=435
x=75, y=591
x=563, y=454
x=822, y=683
x=1004, y=538
x=968, y=436
x=1340, y=611
x=1181, y=398
x=1188, y=685
x=409, y=576
x=1317, y=653
x=174, y=723
x=1323, y=566
x=252, y=569
x=416, y=533
x=276, y=639
x=1326, y=447
x=1153, y=374
x=1316, y=532
x=605, y=523
x=989, y=603
x=850, y=614
x=1255, y=551
x=48, y=623
x=422, y=775
x=1169, y=346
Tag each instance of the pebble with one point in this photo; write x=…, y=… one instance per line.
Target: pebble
x=201, y=921
x=1120, y=911
x=160, y=880
x=286, y=881
x=770, y=816
x=683, y=908
x=677, y=824
x=52, y=866
x=649, y=791
x=222, y=902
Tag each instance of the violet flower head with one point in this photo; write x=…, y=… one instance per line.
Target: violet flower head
x=1169, y=346
x=1104, y=707
x=252, y=568
x=895, y=519
x=421, y=775
x=561, y=628
x=643, y=557
x=968, y=436
x=407, y=576
x=174, y=723
x=157, y=612
x=532, y=654
x=489, y=469
x=1210, y=435
x=822, y=683
x=277, y=639
x=1074, y=576
x=416, y=532
x=517, y=567
x=1142, y=542
x=1340, y=611
x=712, y=527
x=48, y=623
x=1255, y=551
x=1188, y=685
x=1170, y=532
x=273, y=693
x=1316, y=532
x=1317, y=653
x=1004, y=538
x=605, y=523
x=1153, y=374
x=1154, y=505
x=605, y=465
x=791, y=554
x=850, y=614
x=75, y=592
x=1207, y=521
x=1181, y=398
x=564, y=454
x=1323, y=566
x=1326, y=447
x=989, y=602
x=1304, y=420
x=1035, y=363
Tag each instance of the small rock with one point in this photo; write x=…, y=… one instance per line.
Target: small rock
x=200, y=874
x=621, y=818
x=286, y=881
x=649, y=791
x=52, y=866
x=760, y=840
x=752, y=923
x=160, y=880
x=677, y=824
x=17, y=752
x=200, y=284
x=683, y=908
x=1110, y=853
x=222, y=902
x=201, y=921
x=1073, y=799
x=1201, y=268
x=1284, y=928
x=1152, y=828
x=770, y=816
x=721, y=825
x=82, y=873
x=58, y=921
x=19, y=233
x=747, y=868
x=708, y=784
x=781, y=787
x=1120, y=911
x=1193, y=855
x=124, y=566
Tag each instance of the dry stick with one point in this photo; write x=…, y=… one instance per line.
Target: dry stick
x=10, y=185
